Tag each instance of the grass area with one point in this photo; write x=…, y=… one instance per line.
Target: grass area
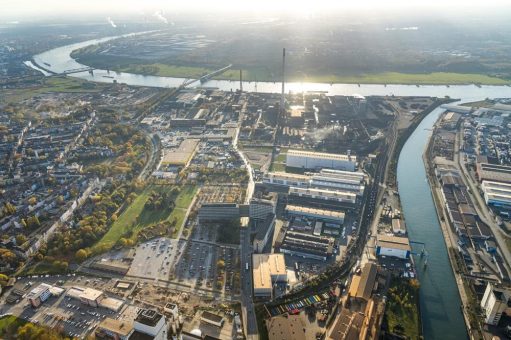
x=402, y=308
x=135, y=218
x=262, y=74
x=50, y=85
x=281, y=167
x=42, y=268
x=9, y=325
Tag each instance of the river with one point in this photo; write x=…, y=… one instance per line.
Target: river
x=440, y=302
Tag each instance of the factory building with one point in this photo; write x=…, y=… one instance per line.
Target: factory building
x=320, y=214
x=393, y=246
x=321, y=195
x=497, y=194
x=318, y=160
x=286, y=179
x=493, y=172
x=216, y=212
x=267, y=269
x=304, y=245
x=341, y=180
x=150, y=323
x=39, y=294
x=494, y=302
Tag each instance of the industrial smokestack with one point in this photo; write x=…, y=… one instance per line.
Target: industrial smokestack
x=241, y=80
x=282, y=99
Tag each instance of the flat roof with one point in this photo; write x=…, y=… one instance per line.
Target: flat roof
x=212, y=317
x=286, y=328
x=121, y=327
x=324, y=155
x=148, y=317
x=314, y=211
x=287, y=175
x=182, y=154
x=367, y=280
x=323, y=192
x=396, y=242
x=90, y=294
x=265, y=266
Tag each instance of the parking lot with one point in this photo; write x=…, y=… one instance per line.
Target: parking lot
x=154, y=259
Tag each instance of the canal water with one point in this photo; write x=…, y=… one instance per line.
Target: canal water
x=440, y=302
x=439, y=298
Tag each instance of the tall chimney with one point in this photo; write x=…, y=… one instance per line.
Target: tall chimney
x=241, y=80
x=282, y=99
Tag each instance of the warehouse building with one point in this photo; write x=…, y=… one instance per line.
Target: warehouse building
x=217, y=212
x=267, y=269
x=493, y=172
x=318, y=160
x=497, y=194
x=320, y=214
x=393, y=246
x=182, y=155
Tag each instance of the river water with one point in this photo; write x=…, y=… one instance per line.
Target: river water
x=440, y=302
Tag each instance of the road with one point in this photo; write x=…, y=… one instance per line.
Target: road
x=153, y=158
x=247, y=305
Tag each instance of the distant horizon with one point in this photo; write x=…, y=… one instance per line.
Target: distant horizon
x=160, y=10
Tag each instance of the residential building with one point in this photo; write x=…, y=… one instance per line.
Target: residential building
x=152, y=323
x=494, y=302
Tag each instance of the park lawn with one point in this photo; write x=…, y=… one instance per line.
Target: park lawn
x=183, y=201
x=404, y=315
x=10, y=323
x=134, y=219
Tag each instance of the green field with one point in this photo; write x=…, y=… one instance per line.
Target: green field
x=183, y=201
x=50, y=85
x=260, y=74
x=135, y=218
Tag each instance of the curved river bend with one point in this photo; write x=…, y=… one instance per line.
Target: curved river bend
x=440, y=302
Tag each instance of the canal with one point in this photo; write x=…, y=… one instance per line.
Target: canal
x=439, y=298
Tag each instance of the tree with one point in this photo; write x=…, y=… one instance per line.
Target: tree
x=220, y=264
x=81, y=255
x=32, y=200
x=122, y=242
x=20, y=239
x=3, y=279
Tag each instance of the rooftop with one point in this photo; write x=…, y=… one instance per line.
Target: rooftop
x=324, y=155
x=395, y=242
x=120, y=327
x=148, y=317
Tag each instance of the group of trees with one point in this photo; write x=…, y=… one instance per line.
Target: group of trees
x=7, y=210
x=30, y=331
x=129, y=144
x=160, y=201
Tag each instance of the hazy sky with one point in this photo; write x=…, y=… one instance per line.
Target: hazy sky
x=17, y=9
